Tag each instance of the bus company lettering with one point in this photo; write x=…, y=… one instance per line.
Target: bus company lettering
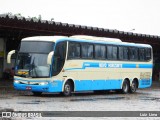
x=114, y=65
x=87, y=65
x=102, y=65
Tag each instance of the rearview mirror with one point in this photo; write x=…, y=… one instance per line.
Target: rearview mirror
x=49, y=58
x=10, y=55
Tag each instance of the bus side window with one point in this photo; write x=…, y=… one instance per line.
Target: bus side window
x=100, y=51
x=112, y=52
x=133, y=53
x=109, y=52
x=74, y=50
x=148, y=54
x=59, y=57
x=120, y=53
x=87, y=51
x=141, y=54
x=125, y=53
x=60, y=51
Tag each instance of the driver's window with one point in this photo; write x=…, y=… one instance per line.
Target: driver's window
x=59, y=57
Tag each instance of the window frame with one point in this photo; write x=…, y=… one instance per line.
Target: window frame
x=71, y=42
x=111, y=52
x=86, y=43
x=150, y=52
x=121, y=53
x=100, y=58
x=133, y=59
x=141, y=54
x=128, y=47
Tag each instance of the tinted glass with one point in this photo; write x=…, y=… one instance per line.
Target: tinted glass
x=109, y=52
x=120, y=55
x=35, y=64
x=87, y=51
x=74, y=50
x=100, y=51
x=114, y=52
x=141, y=54
x=148, y=53
x=125, y=53
x=59, y=58
x=36, y=47
x=133, y=54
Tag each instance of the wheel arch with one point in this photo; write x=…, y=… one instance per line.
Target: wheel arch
x=124, y=80
x=136, y=79
x=72, y=82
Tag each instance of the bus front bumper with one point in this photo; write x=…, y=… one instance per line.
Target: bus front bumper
x=39, y=86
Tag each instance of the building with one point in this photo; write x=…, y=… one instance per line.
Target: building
x=13, y=29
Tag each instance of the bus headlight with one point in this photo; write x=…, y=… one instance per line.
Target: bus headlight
x=43, y=83
x=16, y=81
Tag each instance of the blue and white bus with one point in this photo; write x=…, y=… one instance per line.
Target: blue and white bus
x=81, y=63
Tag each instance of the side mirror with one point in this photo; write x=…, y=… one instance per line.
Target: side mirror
x=10, y=55
x=49, y=58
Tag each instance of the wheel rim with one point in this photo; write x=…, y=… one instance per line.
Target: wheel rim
x=133, y=87
x=67, y=89
x=125, y=87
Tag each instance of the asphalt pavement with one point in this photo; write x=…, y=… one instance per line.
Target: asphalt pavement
x=143, y=100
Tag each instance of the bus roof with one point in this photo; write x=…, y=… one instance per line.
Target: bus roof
x=104, y=39
x=43, y=38
x=84, y=38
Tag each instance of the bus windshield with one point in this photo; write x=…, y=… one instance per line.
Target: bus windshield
x=32, y=59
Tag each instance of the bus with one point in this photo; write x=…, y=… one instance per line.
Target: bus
x=49, y=64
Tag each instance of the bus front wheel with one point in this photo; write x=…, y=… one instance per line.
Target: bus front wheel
x=67, y=89
x=125, y=87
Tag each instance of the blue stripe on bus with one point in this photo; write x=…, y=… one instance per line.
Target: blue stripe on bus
x=86, y=85
x=82, y=85
x=112, y=84
x=111, y=65
x=55, y=86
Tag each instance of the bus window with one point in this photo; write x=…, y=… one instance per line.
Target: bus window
x=100, y=51
x=141, y=54
x=109, y=52
x=87, y=51
x=120, y=53
x=112, y=52
x=74, y=50
x=125, y=53
x=133, y=54
x=148, y=53
x=59, y=57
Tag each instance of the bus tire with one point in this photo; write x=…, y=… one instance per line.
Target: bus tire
x=67, y=89
x=37, y=93
x=125, y=87
x=133, y=86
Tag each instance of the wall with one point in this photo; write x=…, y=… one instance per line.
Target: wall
x=1, y=55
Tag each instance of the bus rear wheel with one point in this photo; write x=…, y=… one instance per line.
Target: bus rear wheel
x=125, y=87
x=67, y=89
x=133, y=86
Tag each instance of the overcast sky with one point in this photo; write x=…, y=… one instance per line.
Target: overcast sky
x=124, y=15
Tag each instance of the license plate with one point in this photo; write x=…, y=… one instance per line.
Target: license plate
x=28, y=88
